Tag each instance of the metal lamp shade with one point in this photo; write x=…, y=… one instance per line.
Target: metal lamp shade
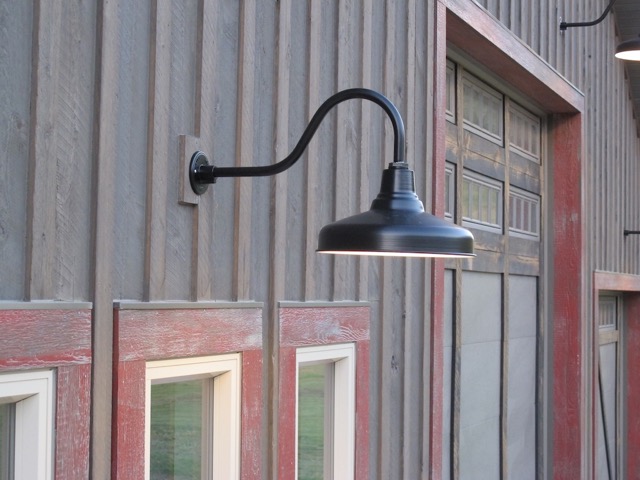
x=396, y=225
x=629, y=50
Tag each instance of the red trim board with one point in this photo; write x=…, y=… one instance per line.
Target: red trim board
x=308, y=326
x=41, y=338
x=141, y=335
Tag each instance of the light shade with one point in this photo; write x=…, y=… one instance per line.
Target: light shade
x=629, y=50
x=396, y=225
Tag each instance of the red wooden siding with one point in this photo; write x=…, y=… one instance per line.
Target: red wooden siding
x=632, y=317
x=141, y=335
x=568, y=251
x=307, y=326
x=60, y=339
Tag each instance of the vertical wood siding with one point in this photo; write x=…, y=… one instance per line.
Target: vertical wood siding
x=94, y=96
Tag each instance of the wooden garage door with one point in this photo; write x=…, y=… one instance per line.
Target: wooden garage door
x=493, y=187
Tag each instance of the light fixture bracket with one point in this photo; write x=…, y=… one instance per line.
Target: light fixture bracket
x=565, y=25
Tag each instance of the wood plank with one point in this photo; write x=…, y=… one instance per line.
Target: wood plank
x=245, y=149
x=286, y=413
x=22, y=344
x=73, y=416
x=158, y=334
x=568, y=249
x=363, y=437
x=41, y=207
x=345, y=203
x=206, y=60
x=302, y=326
x=128, y=421
x=365, y=138
x=252, y=413
x=106, y=118
x=158, y=140
x=314, y=202
x=15, y=124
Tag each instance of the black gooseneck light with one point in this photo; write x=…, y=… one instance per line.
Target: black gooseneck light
x=396, y=224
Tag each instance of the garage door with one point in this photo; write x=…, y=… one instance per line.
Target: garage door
x=493, y=187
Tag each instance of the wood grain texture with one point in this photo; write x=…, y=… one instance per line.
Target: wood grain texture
x=73, y=405
x=158, y=150
x=16, y=23
x=329, y=325
x=66, y=346
x=245, y=151
x=252, y=414
x=319, y=326
x=157, y=334
x=104, y=220
x=60, y=144
x=568, y=399
x=127, y=458
x=287, y=418
x=24, y=345
x=144, y=335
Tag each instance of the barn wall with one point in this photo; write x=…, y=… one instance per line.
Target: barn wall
x=94, y=97
x=95, y=94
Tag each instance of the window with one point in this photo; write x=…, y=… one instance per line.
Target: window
x=325, y=412
x=26, y=425
x=323, y=401
x=481, y=202
x=193, y=418
x=216, y=346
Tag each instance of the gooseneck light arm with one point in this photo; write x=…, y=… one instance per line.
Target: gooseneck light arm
x=201, y=173
x=565, y=25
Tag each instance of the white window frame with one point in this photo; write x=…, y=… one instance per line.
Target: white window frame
x=221, y=414
x=33, y=396
x=342, y=405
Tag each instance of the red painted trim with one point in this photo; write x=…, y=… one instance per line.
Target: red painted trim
x=60, y=339
x=307, y=326
x=287, y=413
x=157, y=334
x=252, y=403
x=362, y=410
x=73, y=408
x=128, y=429
x=632, y=347
x=44, y=338
x=144, y=335
x=568, y=249
x=436, y=367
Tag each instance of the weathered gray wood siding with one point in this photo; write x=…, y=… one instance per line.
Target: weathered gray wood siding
x=93, y=98
x=94, y=95
x=585, y=57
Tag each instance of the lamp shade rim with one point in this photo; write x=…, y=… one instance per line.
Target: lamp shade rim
x=396, y=233
x=629, y=49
